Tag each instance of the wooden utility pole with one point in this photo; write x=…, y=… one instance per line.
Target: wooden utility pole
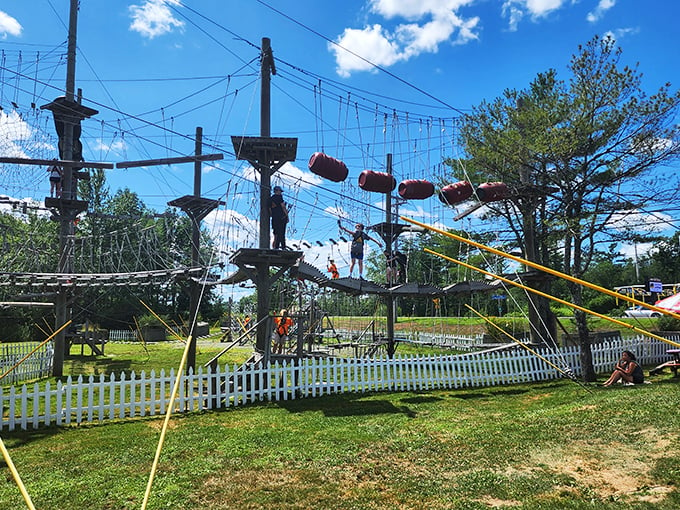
x=389, y=298
x=67, y=116
x=195, y=287
x=266, y=155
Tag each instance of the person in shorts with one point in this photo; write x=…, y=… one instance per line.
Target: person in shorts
x=359, y=238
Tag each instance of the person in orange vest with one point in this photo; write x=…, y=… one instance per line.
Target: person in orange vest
x=283, y=323
x=333, y=269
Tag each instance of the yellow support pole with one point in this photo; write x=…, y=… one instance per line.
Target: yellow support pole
x=166, y=421
x=570, y=376
x=15, y=474
x=558, y=300
x=545, y=269
x=9, y=371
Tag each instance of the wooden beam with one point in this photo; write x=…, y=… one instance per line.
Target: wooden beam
x=169, y=161
x=58, y=162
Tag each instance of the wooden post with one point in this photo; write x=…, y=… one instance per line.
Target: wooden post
x=262, y=342
x=195, y=289
x=389, y=298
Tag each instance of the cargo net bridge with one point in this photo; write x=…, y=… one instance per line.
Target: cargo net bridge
x=141, y=255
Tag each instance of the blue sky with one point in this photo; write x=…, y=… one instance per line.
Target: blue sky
x=156, y=69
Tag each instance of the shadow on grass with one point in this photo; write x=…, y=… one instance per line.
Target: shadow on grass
x=502, y=392
x=87, y=365
x=345, y=405
x=421, y=399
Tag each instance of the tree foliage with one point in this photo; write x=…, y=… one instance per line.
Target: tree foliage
x=119, y=234
x=577, y=155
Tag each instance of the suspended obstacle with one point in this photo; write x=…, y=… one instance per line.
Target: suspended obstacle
x=379, y=182
x=415, y=189
x=492, y=191
x=455, y=193
x=328, y=167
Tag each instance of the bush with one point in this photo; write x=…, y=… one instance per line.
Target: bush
x=517, y=327
x=150, y=321
x=667, y=323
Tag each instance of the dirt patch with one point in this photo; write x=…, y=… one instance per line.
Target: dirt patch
x=158, y=424
x=608, y=470
x=498, y=503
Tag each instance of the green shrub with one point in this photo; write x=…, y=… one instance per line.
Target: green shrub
x=514, y=326
x=150, y=321
x=667, y=323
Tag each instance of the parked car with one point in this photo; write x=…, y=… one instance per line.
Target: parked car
x=640, y=311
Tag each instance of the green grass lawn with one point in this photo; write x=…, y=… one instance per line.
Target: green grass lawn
x=549, y=446
x=555, y=445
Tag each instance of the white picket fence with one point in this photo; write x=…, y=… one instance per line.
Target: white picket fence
x=123, y=335
x=36, y=366
x=97, y=399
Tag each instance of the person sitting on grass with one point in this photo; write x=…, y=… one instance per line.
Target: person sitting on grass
x=626, y=370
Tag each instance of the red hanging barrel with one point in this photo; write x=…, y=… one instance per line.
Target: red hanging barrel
x=328, y=167
x=492, y=191
x=416, y=189
x=456, y=192
x=379, y=182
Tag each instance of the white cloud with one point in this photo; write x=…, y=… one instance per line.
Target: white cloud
x=13, y=130
x=154, y=18
x=410, y=210
x=515, y=10
x=371, y=43
x=117, y=147
x=429, y=24
x=288, y=177
x=9, y=25
x=620, y=33
x=602, y=7
x=635, y=251
x=337, y=212
x=639, y=221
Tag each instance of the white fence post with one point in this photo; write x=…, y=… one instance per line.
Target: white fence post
x=131, y=395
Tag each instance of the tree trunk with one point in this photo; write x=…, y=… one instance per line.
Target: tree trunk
x=586, y=355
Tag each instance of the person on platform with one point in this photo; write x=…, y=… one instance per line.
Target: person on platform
x=279, y=215
x=55, y=180
x=402, y=262
x=282, y=323
x=392, y=269
x=333, y=269
x=627, y=370
x=359, y=238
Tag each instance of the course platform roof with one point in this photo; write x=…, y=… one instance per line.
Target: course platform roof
x=416, y=289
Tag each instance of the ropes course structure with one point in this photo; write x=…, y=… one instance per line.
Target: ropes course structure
x=353, y=128
x=390, y=130
x=377, y=138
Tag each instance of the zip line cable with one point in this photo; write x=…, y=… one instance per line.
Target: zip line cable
x=546, y=269
x=16, y=476
x=556, y=299
x=376, y=66
x=567, y=373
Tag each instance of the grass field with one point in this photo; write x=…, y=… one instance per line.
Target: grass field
x=556, y=445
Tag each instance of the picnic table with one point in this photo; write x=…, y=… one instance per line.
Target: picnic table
x=673, y=364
